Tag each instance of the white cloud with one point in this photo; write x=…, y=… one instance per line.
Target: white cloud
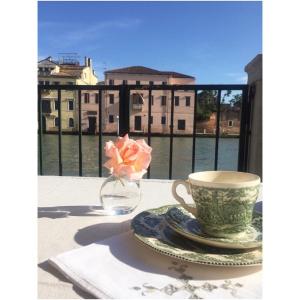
x=70, y=36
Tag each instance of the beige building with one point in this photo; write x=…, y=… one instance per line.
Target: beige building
x=65, y=72
x=161, y=101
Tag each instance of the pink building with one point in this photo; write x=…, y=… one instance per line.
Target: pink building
x=160, y=101
x=89, y=111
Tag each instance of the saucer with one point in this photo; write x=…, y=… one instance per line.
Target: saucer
x=151, y=229
x=187, y=225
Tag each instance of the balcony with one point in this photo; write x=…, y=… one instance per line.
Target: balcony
x=137, y=101
x=137, y=106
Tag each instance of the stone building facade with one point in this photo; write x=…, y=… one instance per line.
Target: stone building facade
x=139, y=101
x=229, y=122
x=65, y=72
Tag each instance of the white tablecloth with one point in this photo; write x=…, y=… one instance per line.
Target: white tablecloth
x=66, y=222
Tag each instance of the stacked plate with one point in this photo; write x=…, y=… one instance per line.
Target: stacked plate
x=173, y=231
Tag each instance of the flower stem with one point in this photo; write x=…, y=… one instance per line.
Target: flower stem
x=121, y=181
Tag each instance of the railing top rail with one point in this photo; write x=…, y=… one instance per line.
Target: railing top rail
x=187, y=87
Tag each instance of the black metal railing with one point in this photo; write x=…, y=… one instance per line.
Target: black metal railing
x=124, y=118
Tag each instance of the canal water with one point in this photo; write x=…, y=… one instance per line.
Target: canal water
x=182, y=155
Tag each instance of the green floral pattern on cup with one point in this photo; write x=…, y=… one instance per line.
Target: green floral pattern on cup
x=188, y=226
x=224, y=212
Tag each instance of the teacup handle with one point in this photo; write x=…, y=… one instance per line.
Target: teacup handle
x=192, y=210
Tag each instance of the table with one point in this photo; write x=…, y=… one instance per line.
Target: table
x=66, y=221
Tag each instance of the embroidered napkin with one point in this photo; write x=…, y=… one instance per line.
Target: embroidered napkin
x=121, y=267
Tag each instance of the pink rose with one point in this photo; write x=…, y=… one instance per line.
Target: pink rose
x=128, y=158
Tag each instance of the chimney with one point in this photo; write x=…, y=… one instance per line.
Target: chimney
x=89, y=62
x=86, y=61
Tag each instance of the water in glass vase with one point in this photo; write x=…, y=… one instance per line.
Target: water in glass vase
x=119, y=195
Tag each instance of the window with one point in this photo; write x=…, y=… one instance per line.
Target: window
x=46, y=106
x=164, y=83
x=124, y=81
x=56, y=82
x=163, y=120
x=111, y=82
x=138, y=123
x=187, y=101
x=151, y=119
x=176, y=100
x=137, y=98
x=86, y=98
x=47, y=82
x=96, y=98
x=55, y=105
x=150, y=82
x=56, y=122
x=111, y=118
x=230, y=123
x=70, y=83
x=41, y=82
x=71, y=122
x=71, y=104
x=111, y=99
x=181, y=124
x=152, y=100
x=138, y=82
x=163, y=100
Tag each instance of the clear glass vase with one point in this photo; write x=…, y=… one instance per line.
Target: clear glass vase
x=119, y=195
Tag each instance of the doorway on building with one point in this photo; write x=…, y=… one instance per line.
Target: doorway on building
x=138, y=123
x=92, y=125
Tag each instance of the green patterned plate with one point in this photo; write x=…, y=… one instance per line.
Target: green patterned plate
x=152, y=230
x=187, y=225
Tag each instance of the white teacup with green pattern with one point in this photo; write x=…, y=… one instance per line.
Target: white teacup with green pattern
x=224, y=200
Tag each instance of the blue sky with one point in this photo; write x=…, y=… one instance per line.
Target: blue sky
x=212, y=41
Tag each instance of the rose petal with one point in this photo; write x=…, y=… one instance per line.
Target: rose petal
x=143, y=161
x=131, y=152
x=124, y=170
x=109, y=146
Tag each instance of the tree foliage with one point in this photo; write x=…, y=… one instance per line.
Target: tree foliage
x=206, y=104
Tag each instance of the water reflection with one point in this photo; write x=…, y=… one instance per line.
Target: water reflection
x=182, y=155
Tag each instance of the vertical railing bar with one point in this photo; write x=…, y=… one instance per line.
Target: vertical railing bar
x=242, y=134
x=171, y=135
x=59, y=132
x=100, y=131
x=124, y=110
x=40, y=131
x=149, y=124
x=248, y=100
x=79, y=133
x=194, y=132
x=120, y=117
x=217, y=129
x=242, y=155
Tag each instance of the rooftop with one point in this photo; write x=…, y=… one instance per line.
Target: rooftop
x=65, y=69
x=147, y=71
